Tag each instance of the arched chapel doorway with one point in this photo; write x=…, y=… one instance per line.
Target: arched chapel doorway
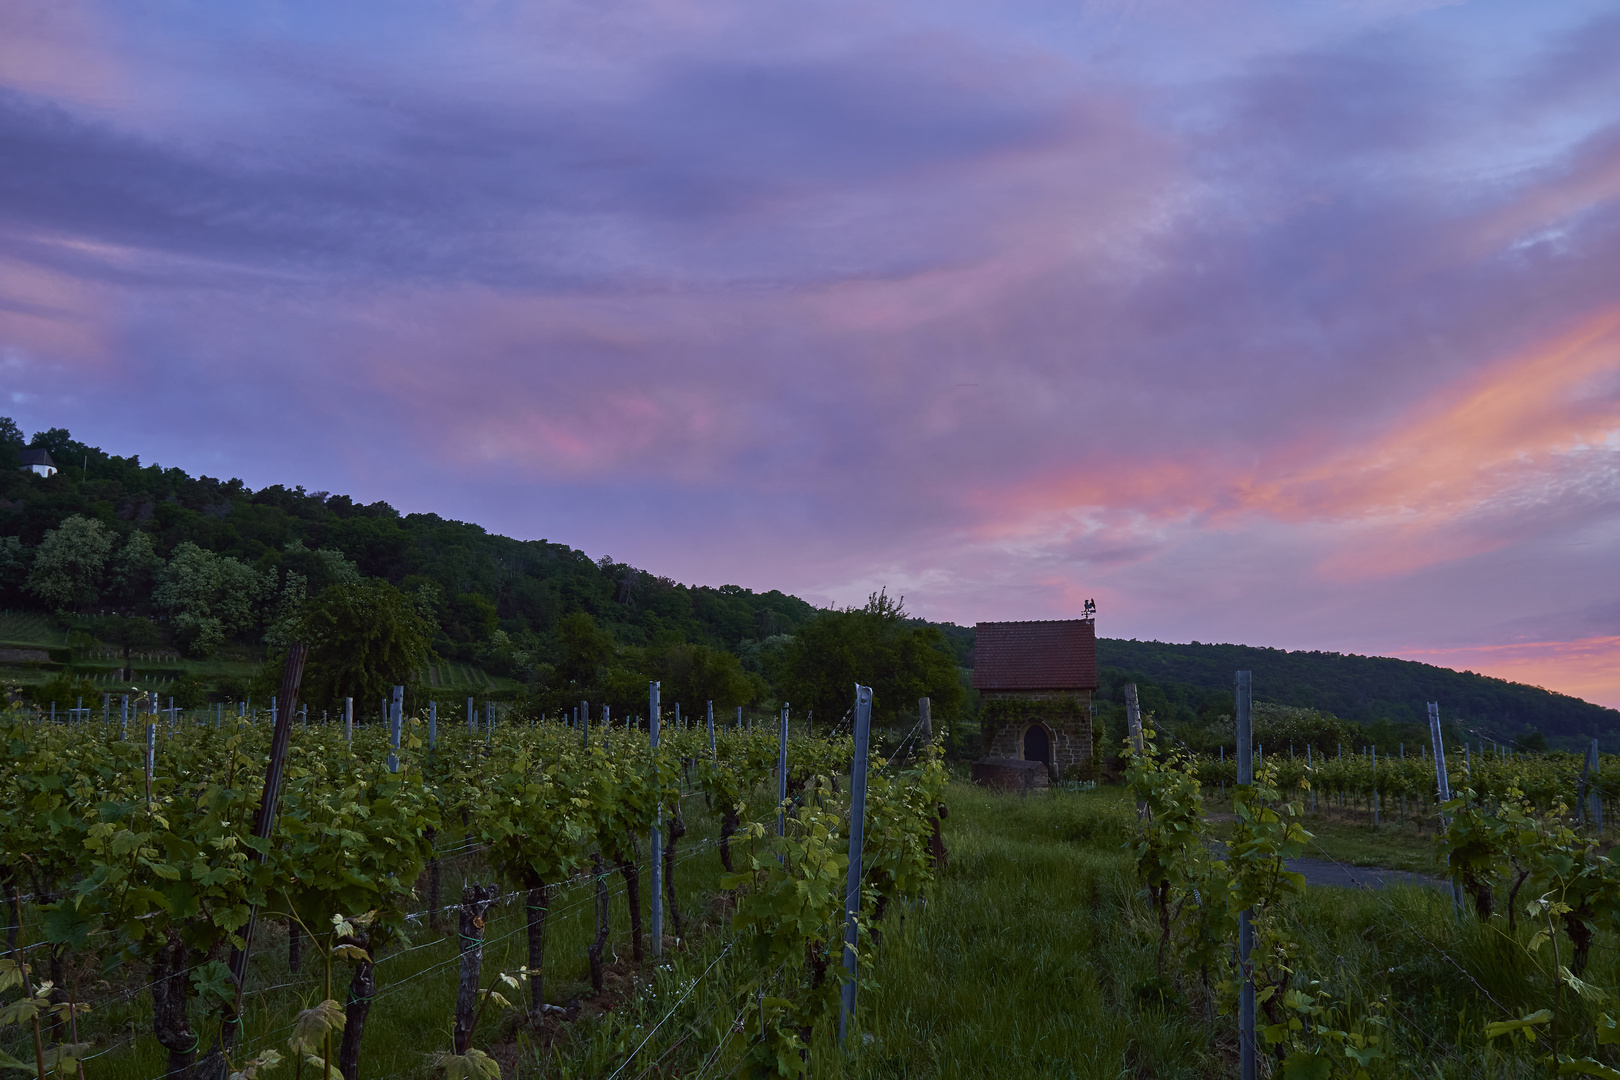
x=1038, y=745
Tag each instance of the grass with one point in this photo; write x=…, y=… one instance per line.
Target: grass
x=1350, y=837
x=30, y=630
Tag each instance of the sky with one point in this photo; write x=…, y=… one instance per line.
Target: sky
x=1284, y=324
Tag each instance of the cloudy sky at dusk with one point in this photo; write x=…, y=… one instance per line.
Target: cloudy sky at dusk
x=1286, y=324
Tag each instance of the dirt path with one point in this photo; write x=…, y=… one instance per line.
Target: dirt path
x=1320, y=872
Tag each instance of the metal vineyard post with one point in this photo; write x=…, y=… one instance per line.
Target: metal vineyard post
x=781, y=774
x=1245, y=776
x=857, y=837
x=657, y=829
x=1443, y=783
x=396, y=711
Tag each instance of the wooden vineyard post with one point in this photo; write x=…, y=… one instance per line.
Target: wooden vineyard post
x=1245, y=776
x=711, y=729
x=781, y=774
x=292, y=676
x=1442, y=783
x=857, y=838
x=657, y=830
x=475, y=901
x=396, y=710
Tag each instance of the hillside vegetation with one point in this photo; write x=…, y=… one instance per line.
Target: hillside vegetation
x=1193, y=683
x=116, y=572
x=113, y=571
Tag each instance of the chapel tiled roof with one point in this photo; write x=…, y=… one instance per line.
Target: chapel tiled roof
x=1055, y=655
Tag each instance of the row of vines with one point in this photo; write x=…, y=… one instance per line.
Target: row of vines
x=1538, y=886
x=1544, y=779
x=155, y=874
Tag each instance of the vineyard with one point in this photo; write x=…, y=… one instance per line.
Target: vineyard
x=477, y=882
x=1531, y=901
x=478, y=901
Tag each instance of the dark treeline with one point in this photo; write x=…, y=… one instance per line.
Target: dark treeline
x=1384, y=699
x=207, y=565
x=212, y=564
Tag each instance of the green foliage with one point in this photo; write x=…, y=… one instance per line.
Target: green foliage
x=696, y=674
x=1055, y=713
x=364, y=637
x=208, y=597
x=875, y=646
x=1192, y=684
x=585, y=648
x=15, y=559
x=67, y=565
x=135, y=572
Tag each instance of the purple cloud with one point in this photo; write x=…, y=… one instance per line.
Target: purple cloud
x=1267, y=327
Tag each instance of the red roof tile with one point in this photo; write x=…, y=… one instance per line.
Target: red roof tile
x=1057, y=655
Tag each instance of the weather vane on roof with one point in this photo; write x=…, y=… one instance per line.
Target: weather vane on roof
x=1091, y=610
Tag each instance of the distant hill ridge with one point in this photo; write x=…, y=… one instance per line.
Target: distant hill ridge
x=486, y=582
x=1361, y=688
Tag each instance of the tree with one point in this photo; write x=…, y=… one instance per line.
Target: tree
x=694, y=674
x=364, y=638
x=135, y=571
x=319, y=567
x=585, y=648
x=68, y=563
x=877, y=647
x=15, y=557
x=11, y=441
x=210, y=597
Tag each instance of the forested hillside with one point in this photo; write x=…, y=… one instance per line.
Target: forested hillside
x=1194, y=682
x=211, y=568
x=136, y=556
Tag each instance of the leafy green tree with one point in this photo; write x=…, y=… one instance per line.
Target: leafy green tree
x=209, y=597
x=877, y=646
x=319, y=567
x=135, y=572
x=695, y=674
x=68, y=564
x=364, y=638
x=15, y=557
x=11, y=441
x=585, y=648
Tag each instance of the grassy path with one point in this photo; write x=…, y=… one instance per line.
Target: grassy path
x=1027, y=965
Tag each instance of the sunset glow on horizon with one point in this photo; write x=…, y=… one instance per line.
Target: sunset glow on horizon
x=1288, y=325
